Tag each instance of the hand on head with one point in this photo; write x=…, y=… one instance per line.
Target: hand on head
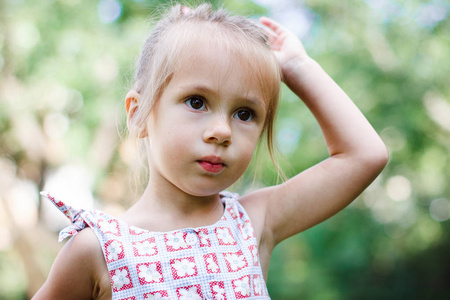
x=287, y=47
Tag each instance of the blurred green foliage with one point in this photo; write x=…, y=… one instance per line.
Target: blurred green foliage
x=66, y=66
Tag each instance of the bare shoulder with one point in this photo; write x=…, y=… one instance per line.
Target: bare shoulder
x=255, y=204
x=78, y=272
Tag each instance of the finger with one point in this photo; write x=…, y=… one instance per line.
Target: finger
x=272, y=38
x=275, y=26
x=270, y=32
x=185, y=10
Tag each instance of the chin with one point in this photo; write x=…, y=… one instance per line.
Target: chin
x=205, y=190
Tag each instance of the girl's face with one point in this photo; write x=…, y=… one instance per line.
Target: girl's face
x=205, y=127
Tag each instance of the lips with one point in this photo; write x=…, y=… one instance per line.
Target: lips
x=211, y=164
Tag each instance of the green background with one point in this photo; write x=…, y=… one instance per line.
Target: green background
x=65, y=69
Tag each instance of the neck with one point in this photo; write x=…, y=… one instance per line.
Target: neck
x=166, y=208
x=175, y=201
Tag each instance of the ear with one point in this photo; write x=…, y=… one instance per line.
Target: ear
x=132, y=101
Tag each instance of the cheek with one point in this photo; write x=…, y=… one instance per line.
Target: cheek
x=173, y=141
x=176, y=139
x=248, y=148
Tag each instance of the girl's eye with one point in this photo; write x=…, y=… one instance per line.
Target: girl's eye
x=196, y=103
x=244, y=115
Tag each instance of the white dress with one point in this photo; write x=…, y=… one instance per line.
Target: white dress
x=218, y=261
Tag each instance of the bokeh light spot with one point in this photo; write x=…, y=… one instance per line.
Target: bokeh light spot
x=25, y=36
x=394, y=138
x=56, y=125
x=438, y=109
x=109, y=10
x=440, y=209
x=2, y=62
x=398, y=188
x=289, y=135
x=106, y=69
x=432, y=13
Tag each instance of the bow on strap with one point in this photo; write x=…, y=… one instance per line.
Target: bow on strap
x=73, y=214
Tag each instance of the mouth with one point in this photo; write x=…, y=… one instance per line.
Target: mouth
x=211, y=164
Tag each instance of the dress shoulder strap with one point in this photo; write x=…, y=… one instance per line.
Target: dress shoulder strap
x=76, y=216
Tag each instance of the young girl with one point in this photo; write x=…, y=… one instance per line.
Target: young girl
x=206, y=89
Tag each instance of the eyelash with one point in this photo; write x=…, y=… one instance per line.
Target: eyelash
x=189, y=100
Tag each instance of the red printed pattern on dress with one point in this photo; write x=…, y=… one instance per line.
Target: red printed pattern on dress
x=257, y=285
x=246, y=230
x=241, y=287
x=225, y=236
x=192, y=292
x=136, y=231
x=162, y=295
x=114, y=251
x=203, y=238
x=218, y=290
x=254, y=251
x=176, y=241
x=211, y=263
x=57, y=202
x=235, y=261
x=150, y=273
x=120, y=279
x=145, y=247
x=183, y=267
x=111, y=226
x=233, y=212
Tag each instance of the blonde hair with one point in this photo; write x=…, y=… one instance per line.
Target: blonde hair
x=179, y=31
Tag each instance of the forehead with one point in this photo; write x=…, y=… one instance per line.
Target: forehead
x=214, y=49
x=213, y=70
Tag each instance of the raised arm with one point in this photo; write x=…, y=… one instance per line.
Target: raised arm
x=357, y=154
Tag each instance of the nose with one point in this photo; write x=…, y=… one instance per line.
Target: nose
x=218, y=132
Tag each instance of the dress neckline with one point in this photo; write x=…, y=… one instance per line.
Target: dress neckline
x=226, y=197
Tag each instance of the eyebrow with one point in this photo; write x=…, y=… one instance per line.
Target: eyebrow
x=201, y=88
